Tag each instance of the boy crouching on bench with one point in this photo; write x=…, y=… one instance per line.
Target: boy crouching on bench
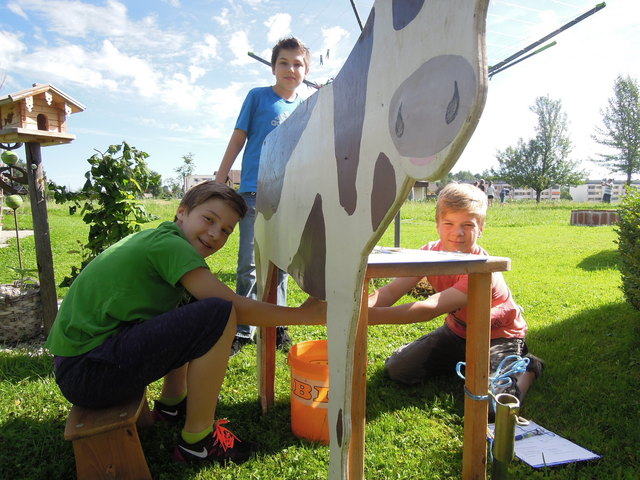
x=120, y=323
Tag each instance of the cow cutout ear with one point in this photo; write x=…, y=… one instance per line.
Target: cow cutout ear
x=405, y=11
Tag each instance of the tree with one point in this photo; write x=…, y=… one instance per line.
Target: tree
x=108, y=201
x=186, y=168
x=542, y=161
x=621, y=130
x=154, y=186
x=171, y=188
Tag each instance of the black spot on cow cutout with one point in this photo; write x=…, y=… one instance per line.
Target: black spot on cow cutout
x=384, y=190
x=349, y=98
x=404, y=11
x=309, y=262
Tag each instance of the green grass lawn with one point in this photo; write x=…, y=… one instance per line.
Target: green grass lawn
x=565, y=277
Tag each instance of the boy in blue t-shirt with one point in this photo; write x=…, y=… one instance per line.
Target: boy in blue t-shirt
x=124, y=324
x=263, y=109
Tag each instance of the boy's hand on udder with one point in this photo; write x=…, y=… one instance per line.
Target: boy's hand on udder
x=314, y=312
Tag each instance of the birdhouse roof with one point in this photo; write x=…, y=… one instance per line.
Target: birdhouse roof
x=42, y=88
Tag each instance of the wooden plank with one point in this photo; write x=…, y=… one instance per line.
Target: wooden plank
x=418, y=267
x=474, y=457
x=14, y=135
x=359, y=392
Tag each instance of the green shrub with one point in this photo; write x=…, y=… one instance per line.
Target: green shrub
x=629, y=245
x=110, y=200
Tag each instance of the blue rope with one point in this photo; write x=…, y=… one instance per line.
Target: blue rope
x=502, y=379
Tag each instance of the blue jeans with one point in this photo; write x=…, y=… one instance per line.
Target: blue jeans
x=246, y=272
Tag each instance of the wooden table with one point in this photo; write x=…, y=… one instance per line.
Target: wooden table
x=391, y=263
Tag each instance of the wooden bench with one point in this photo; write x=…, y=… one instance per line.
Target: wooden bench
x=106, y=443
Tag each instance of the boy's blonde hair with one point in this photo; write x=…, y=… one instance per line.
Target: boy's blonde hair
x=291, y=43
x=462, y=197
x=202, y=192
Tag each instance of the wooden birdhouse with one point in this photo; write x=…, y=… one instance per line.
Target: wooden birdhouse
x=37, y=114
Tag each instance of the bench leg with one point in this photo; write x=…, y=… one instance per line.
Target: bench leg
x=116, y=454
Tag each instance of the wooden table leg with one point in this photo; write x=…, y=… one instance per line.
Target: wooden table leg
x=266, y=346
x=474, y=457
x=359, y=392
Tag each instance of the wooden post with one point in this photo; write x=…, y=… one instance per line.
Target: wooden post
x=44, y=257
x=266, y=346
x=474, y=456
x=359, y=391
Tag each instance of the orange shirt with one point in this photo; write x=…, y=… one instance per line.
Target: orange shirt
x=507, y=320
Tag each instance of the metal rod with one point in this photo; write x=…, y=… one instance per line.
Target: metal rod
x=355, y=10
x=507, y=408
x=15, y=221
x=535, y=52
x=498, y=66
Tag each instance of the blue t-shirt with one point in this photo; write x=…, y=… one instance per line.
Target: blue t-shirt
x=262, y=111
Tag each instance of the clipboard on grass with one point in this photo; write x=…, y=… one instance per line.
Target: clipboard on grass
x=539, y=447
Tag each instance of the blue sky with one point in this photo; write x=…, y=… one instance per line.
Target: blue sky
x=169, y=76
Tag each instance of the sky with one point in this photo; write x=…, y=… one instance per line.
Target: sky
x=169, y=76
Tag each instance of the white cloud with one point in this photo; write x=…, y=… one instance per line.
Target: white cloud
x=83, y=20
x=144, y=78
x=239, y=46
x=205, y=51
x=11, y=47
x=173, y=3
x=195, y=73
x=223, y=18
x=279, y=26
x=15, y=8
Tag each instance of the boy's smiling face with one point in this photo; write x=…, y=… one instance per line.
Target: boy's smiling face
x=290, y=69
x=208, y=225
x=459, y=230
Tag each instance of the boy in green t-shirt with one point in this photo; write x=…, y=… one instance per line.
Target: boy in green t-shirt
x=121, y=325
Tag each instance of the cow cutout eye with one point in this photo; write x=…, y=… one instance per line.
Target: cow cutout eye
x=454, y=104
x=399, y=123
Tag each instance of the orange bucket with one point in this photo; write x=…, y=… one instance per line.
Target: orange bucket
x=309, y=362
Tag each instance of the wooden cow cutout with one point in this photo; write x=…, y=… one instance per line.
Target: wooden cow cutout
x=334, y=175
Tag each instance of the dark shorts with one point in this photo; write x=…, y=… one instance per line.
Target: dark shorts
x=438, y=353
x=142, y=353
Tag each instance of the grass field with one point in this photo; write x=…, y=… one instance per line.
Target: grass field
x=565, y=277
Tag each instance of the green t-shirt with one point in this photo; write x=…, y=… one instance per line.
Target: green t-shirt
x=132, y=281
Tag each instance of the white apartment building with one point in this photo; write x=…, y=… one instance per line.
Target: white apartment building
x=592, y=190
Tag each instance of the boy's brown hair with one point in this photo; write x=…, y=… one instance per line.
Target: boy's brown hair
x=462, y=197
x=202, y=192
x=290, y=43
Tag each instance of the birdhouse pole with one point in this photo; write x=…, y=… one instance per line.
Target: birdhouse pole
x=36, y=181
x=37, y=117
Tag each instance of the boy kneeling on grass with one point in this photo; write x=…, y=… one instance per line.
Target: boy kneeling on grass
x=120, y=326
x=460, y=218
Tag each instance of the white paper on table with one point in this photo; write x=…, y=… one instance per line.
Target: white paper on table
x=546, y=448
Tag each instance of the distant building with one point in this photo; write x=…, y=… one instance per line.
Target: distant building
x=191, y=180
x=422, y=191
x=592, y=191
x=552, y=193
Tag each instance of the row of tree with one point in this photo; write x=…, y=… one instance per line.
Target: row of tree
x=543, y=160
